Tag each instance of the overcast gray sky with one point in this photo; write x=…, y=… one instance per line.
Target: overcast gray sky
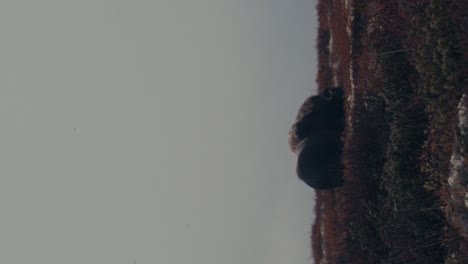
x=153, y=131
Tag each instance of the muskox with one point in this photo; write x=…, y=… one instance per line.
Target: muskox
x=315, y=137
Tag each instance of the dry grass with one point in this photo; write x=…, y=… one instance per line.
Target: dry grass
x=401, y=65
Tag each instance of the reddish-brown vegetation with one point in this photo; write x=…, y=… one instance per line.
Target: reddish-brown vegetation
x=399, y=133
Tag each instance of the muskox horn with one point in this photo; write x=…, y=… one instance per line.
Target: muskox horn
x=328, y=94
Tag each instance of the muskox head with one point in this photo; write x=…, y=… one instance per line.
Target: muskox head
x=315, y=137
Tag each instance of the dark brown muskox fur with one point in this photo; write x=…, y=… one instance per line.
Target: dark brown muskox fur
x=316, y=139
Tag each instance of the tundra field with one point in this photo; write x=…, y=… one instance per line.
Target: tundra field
x=402, y=65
